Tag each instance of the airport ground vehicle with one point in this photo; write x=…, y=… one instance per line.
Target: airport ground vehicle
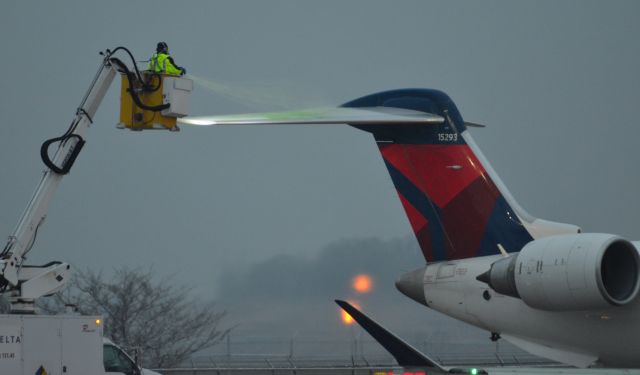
x=72, y=344
x=60, y=344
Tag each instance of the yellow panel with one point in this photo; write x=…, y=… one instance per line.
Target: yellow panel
x=126, y=104
x=136, y=118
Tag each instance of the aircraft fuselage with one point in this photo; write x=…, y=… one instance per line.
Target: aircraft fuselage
x=605, y=337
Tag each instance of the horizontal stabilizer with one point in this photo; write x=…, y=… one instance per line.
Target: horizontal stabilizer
x=339, y=115
x=405, y=354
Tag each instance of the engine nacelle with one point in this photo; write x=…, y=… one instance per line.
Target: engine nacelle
x=570, y=272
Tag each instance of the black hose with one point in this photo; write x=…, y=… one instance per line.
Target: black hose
x=146, y=85
x=133, y=60
x=132, y=92
x=68, y=163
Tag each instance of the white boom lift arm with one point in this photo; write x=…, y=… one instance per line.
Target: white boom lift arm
x=25, y=283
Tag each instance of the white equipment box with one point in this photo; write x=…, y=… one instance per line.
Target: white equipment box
x=61, y=345
x=176, y=92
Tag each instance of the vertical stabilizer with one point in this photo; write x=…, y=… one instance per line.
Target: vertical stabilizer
x=456, y=204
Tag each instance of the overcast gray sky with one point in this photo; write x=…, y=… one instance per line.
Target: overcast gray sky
x=556, y=82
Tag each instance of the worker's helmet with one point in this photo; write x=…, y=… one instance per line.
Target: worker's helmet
x=162, y=47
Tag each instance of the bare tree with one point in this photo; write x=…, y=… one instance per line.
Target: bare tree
x=160, y=318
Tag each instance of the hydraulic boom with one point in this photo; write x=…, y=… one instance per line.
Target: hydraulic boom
x=25, y=282
x=149, y=100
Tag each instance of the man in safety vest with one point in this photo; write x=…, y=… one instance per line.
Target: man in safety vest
x=161, y=62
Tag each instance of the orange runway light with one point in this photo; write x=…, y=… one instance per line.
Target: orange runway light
x=362, y=283
x=346, y=318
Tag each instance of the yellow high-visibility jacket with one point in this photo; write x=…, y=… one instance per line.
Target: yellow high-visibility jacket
x=163, y=63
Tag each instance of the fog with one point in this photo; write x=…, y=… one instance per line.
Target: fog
x=272, y=222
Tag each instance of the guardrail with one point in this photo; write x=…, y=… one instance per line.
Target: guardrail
x=279, y=365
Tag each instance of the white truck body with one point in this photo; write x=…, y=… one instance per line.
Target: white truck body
x=61, y=344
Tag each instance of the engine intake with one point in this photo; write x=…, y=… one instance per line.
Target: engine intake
x=570, y=272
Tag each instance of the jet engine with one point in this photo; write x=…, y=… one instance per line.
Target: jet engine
x=569, y=272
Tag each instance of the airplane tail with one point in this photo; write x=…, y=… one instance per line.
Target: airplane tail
x=456, y=204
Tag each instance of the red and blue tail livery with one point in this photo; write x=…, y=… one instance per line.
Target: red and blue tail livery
x=454, y=206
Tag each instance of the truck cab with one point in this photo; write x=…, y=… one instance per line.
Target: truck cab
x=118, y=362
